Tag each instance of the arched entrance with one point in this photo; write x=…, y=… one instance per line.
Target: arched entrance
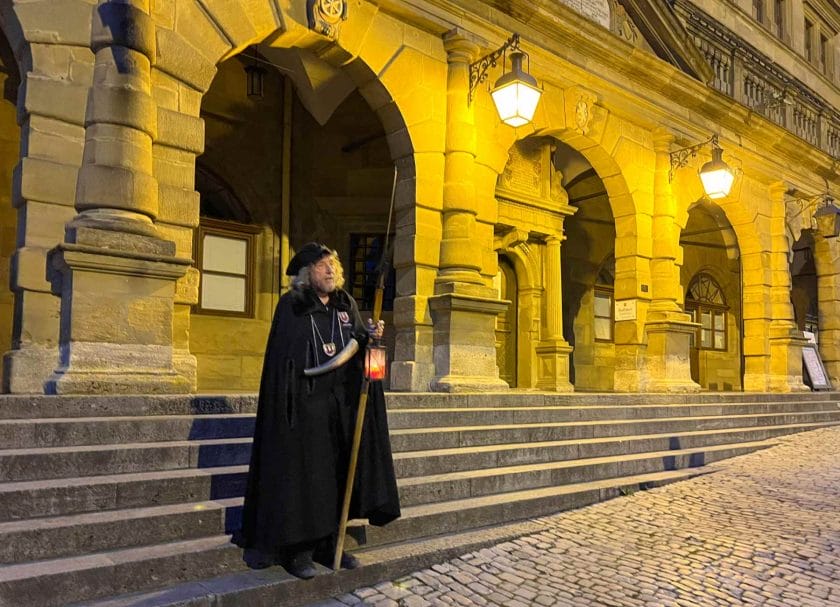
x=711, y=275
x=507, y=325
x=274, y=176
x=589, y=278
x=9, y=152
x=804, y=294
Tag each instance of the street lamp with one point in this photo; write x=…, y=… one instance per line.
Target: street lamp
x=516, y=94
x=716, y=175
x=826, y=218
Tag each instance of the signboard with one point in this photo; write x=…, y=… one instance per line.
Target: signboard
x=815, y=374
x=596, y=10
x=625, y=310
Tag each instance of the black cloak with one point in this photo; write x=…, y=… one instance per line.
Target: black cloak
x=304, y=431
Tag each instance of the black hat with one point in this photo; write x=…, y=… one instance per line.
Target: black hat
x=309, y=253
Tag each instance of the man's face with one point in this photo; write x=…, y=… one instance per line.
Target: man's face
x=322, y=275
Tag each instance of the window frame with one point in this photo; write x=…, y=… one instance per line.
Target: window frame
x=351, y=274
x=696, y=308
x=602, y=290
x=231, y=230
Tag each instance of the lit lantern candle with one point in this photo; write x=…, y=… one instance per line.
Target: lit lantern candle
x=375, y=363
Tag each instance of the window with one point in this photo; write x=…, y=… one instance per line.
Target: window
x=224, y=253
x=823, y=52
x=779, y=18
x=758, y=10
x=809, y=34
x=604, y=296
x=704, y=301
x=604, y=305
x=362, y=271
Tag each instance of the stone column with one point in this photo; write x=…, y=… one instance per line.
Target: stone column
x=115, y=275
x=668, y=328
x=786, y=340
x=553, y=351
x=464, y=308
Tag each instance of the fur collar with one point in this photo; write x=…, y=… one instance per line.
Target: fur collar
x=306, y=301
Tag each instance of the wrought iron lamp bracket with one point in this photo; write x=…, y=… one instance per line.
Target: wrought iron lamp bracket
x=680, y=157
x=478, y=70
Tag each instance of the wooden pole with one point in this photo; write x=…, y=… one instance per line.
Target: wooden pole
x=363, y=397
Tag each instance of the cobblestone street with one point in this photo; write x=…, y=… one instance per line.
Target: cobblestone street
x=764, y=529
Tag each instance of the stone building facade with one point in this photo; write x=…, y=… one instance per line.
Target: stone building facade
x=160, y=160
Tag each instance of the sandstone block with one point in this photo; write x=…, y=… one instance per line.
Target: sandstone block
x=46, y=181
x=29, y=270
x=54, y=140
x=182, y=131
x=51, y=21
x=181, y=60
x=58, y=99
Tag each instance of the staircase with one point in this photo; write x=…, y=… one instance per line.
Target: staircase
x=134, y=497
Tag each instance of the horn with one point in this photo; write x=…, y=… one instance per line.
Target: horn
x=336, y=361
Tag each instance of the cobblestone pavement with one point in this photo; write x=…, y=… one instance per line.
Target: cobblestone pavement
x=763, y=530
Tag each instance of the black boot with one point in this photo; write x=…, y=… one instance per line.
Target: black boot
x=300, y=565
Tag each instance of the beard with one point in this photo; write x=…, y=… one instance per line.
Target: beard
x=323, y=285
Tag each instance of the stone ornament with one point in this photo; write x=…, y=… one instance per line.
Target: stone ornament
x=325, y=16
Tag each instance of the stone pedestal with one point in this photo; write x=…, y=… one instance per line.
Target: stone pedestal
x=553, y=366
x=668, y=359
x=786, y=343
x=464, y=340
x=117, y=291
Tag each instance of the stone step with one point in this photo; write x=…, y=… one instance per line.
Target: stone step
x=447, y=437
x=468, y=416
x=82, y=578
x=92, y=460
x=63, y=496
x=55, y=537
x=48, y=538
x=514, y=398
x=492, y=497
x=79, y=431
x=16, y=406
x=34, y=406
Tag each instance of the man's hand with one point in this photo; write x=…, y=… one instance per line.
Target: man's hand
x=375, y=330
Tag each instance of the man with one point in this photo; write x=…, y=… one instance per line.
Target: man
x=304, y=427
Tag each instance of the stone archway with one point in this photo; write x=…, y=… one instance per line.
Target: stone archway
x=392, y=76
x=150, y=106
x=9, y=153
x=574, y=117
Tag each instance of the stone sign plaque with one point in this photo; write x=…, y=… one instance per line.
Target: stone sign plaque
x=596, y=10
x=625, y=310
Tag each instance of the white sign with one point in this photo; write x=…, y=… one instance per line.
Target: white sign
x=625, y=310
x=596, y=10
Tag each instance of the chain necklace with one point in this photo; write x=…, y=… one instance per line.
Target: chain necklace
x=327, y=346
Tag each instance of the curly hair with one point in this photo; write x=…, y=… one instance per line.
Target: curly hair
x=302, y=279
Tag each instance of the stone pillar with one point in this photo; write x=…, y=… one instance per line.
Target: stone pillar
x=668, y=328
x=786, y=340
x=553, y=351
x=463, y=308
x=827, y=262
x=115, y=275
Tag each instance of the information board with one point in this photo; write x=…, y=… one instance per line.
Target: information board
x=815, y=374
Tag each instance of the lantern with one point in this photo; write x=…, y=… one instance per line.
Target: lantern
x=375, y=362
